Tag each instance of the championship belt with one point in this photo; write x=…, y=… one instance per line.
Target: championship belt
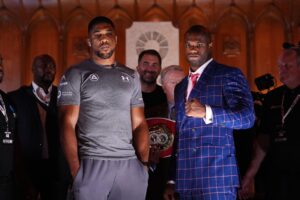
x=161, y=133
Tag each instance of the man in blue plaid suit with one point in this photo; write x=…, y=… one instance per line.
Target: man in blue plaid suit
x=206, y=114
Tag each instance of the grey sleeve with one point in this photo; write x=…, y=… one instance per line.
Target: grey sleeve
x=69, y=88
x=137, y=98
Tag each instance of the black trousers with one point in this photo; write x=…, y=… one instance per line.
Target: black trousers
x=42, y=182
x=283, y=185
x=158, y=179
x=6, y=188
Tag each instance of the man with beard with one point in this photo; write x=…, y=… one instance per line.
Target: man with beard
x=210, y=102
x=103, y=129
x=149, y=67
x=156, y=105
x=42, y=171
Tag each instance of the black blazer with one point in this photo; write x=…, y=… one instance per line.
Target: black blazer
x=29, y=129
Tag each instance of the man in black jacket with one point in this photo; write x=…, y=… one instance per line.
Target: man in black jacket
x=278, y=139
x=7, y=130
x=42, y=170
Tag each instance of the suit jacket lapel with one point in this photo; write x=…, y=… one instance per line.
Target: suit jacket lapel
x=206, y=74
x=202, y=82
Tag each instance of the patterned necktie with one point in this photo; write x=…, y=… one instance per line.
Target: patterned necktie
x=192, y=82
x=45, y=98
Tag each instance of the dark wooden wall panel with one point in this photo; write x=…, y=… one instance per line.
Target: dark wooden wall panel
x=296, y=33
x=11, y=49
x=31, y=27
x=269, y=36
x=75, y=43
x=231, y=43
x=43, y=37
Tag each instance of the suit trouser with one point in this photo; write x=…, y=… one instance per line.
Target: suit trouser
x=231, y=194
x=110, y=180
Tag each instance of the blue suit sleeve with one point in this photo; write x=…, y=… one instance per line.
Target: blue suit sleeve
x=238, y=111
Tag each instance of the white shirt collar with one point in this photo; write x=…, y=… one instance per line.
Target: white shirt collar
x=44, y=95
x=35, y=87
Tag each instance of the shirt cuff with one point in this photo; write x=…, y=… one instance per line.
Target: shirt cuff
x=171, y=182
x=208, y=119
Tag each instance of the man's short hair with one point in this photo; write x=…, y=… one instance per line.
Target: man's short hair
x=44, y=58
x=99, y=20
x=150, y=52
x=201, y=30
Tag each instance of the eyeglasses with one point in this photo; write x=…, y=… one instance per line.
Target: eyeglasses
x=198, y=45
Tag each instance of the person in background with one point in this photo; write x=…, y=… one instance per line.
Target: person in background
x=279, y=138
x=103, y=128
x=170, y=77
x=149, y=67
x=42, y=171
x=156, y=105
x=7, y=142
x=209, y=103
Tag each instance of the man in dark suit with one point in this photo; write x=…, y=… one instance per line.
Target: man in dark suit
x=209, y=103
x=42, y=169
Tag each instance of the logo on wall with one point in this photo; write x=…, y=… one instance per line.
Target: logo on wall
x=231, y=45
x=161, y=36
x=152, y=39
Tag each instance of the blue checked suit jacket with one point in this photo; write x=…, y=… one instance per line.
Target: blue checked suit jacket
x=205, y=155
